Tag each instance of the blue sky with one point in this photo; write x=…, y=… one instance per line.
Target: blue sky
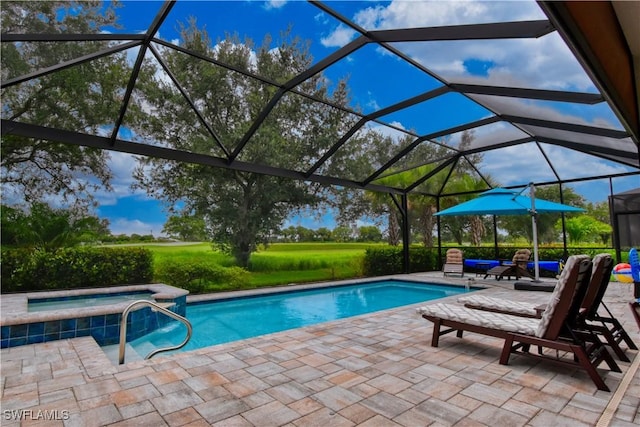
x=549, y=65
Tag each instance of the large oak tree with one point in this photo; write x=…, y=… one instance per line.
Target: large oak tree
x=241, y=209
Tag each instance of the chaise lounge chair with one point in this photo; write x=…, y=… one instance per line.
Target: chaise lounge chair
x=605, y=325
x=518, y=268
x=595, y=291
x=520, y=333
x=587, y=318
x=454, y=262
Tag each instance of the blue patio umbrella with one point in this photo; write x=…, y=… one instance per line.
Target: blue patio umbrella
x=500, y=201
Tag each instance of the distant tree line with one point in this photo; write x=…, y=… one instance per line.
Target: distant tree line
x=192, y=228
x=42, y=226
x=340, y=234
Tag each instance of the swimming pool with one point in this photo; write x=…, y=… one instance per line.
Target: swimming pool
x=221, y=321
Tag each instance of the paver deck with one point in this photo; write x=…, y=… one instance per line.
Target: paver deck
x=372, y=370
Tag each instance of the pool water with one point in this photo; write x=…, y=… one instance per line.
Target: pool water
x=217, y=322
x=62, y=303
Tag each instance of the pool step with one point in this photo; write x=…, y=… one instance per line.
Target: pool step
x=113, y=353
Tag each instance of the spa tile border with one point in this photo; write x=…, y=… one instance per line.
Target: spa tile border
x=102, y=322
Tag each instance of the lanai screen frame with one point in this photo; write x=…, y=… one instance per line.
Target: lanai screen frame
x=627, y=154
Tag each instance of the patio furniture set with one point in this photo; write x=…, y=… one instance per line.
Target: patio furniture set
x=574, y=328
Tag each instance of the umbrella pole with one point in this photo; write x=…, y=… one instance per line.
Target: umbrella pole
x=534, y=226
x=535, y=248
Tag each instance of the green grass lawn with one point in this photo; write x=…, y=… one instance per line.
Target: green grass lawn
x=191, y=252
x=278, y=264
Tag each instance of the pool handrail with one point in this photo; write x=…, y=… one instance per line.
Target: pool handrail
x=156, y=307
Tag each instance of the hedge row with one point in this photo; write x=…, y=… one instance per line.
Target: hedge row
x=25, y=270
x=547, y=254
x=384, y=261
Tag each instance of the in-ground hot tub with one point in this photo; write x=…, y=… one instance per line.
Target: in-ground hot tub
x=82, y=301
x=37, y=317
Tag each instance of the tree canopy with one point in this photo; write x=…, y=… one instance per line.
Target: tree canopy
x=240, y=209
x=186, y=228
x=47, y=228
x=82, y=97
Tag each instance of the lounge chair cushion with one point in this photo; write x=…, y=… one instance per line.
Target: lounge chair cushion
x=487, y=319
x=454, y=256
x=516, y=307
x=521, y=257
x=500, y=305
x=454, y=263
x=506, y=322
x=550, y=310
x=518, y=266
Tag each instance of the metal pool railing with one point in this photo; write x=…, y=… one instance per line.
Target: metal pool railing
x=156, y=307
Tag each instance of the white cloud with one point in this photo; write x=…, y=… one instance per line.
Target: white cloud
x=127, y=226
x=368, y=222
x=518, y=165
x=545, y=63
x=321, y=18
x=339, y=37
x=372, y=104
x=122, y=166
x=570, y=164
x=546, y=111
x=598, y=191
x=410, y=14
x=485, y=136
x=387, y=131
x=541, y=63
x=275, y=4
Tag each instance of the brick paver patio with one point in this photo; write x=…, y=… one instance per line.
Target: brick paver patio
x=372, y=370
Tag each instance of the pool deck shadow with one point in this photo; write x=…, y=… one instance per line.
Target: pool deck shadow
x=375, y=369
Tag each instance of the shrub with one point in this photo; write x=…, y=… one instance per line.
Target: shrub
x=198, y=277
x=422, y=259
x=384, y=261
x=380, y=262
x=68, y=268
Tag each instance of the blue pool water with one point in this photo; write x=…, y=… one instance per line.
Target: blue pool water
x=223, y=321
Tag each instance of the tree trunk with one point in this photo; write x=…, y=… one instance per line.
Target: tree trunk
x=458, y=234
x=245, y=234
x=394, y=229
x=242, y=253
x=477, y=231
x=426, y=226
